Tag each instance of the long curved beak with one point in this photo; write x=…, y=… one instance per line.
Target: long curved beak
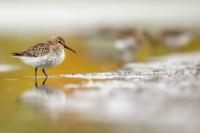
x=65, y=46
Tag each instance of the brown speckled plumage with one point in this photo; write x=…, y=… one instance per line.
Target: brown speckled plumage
x=37, y=50
x=43, y=48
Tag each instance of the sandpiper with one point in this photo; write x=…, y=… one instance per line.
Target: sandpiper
x=173, y=38
x=44, y=55
x=127, y=44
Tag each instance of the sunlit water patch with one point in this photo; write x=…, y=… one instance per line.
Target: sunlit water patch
x=8, y=67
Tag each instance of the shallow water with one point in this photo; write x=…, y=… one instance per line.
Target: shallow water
x=87, y=95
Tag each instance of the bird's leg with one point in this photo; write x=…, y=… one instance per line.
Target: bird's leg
x=36, y=85
x=45, y=77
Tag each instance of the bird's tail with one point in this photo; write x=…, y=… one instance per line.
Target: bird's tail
x=17, y=54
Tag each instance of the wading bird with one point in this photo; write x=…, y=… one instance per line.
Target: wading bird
x=44, y=55
x=127, y=44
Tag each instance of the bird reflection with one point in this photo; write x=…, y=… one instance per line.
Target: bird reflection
x=45, y=97
x=43, y=83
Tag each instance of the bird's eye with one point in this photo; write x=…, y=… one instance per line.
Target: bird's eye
x=60, y=42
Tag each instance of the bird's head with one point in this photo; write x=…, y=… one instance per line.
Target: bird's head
x=61, y=41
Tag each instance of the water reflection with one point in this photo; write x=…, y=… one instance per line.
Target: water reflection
x=144, y=92
x=46, y=98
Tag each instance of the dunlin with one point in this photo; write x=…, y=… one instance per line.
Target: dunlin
x=127, y=44
x=175, y=38
x=172, y=38
x=44, y=55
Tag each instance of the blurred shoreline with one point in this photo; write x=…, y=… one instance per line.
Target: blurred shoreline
x=76, y=16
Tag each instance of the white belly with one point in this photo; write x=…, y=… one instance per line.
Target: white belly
x=46, y=61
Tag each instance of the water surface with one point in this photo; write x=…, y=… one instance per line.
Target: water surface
x=88, y=95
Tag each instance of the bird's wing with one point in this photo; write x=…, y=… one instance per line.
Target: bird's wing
x=39, y=49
